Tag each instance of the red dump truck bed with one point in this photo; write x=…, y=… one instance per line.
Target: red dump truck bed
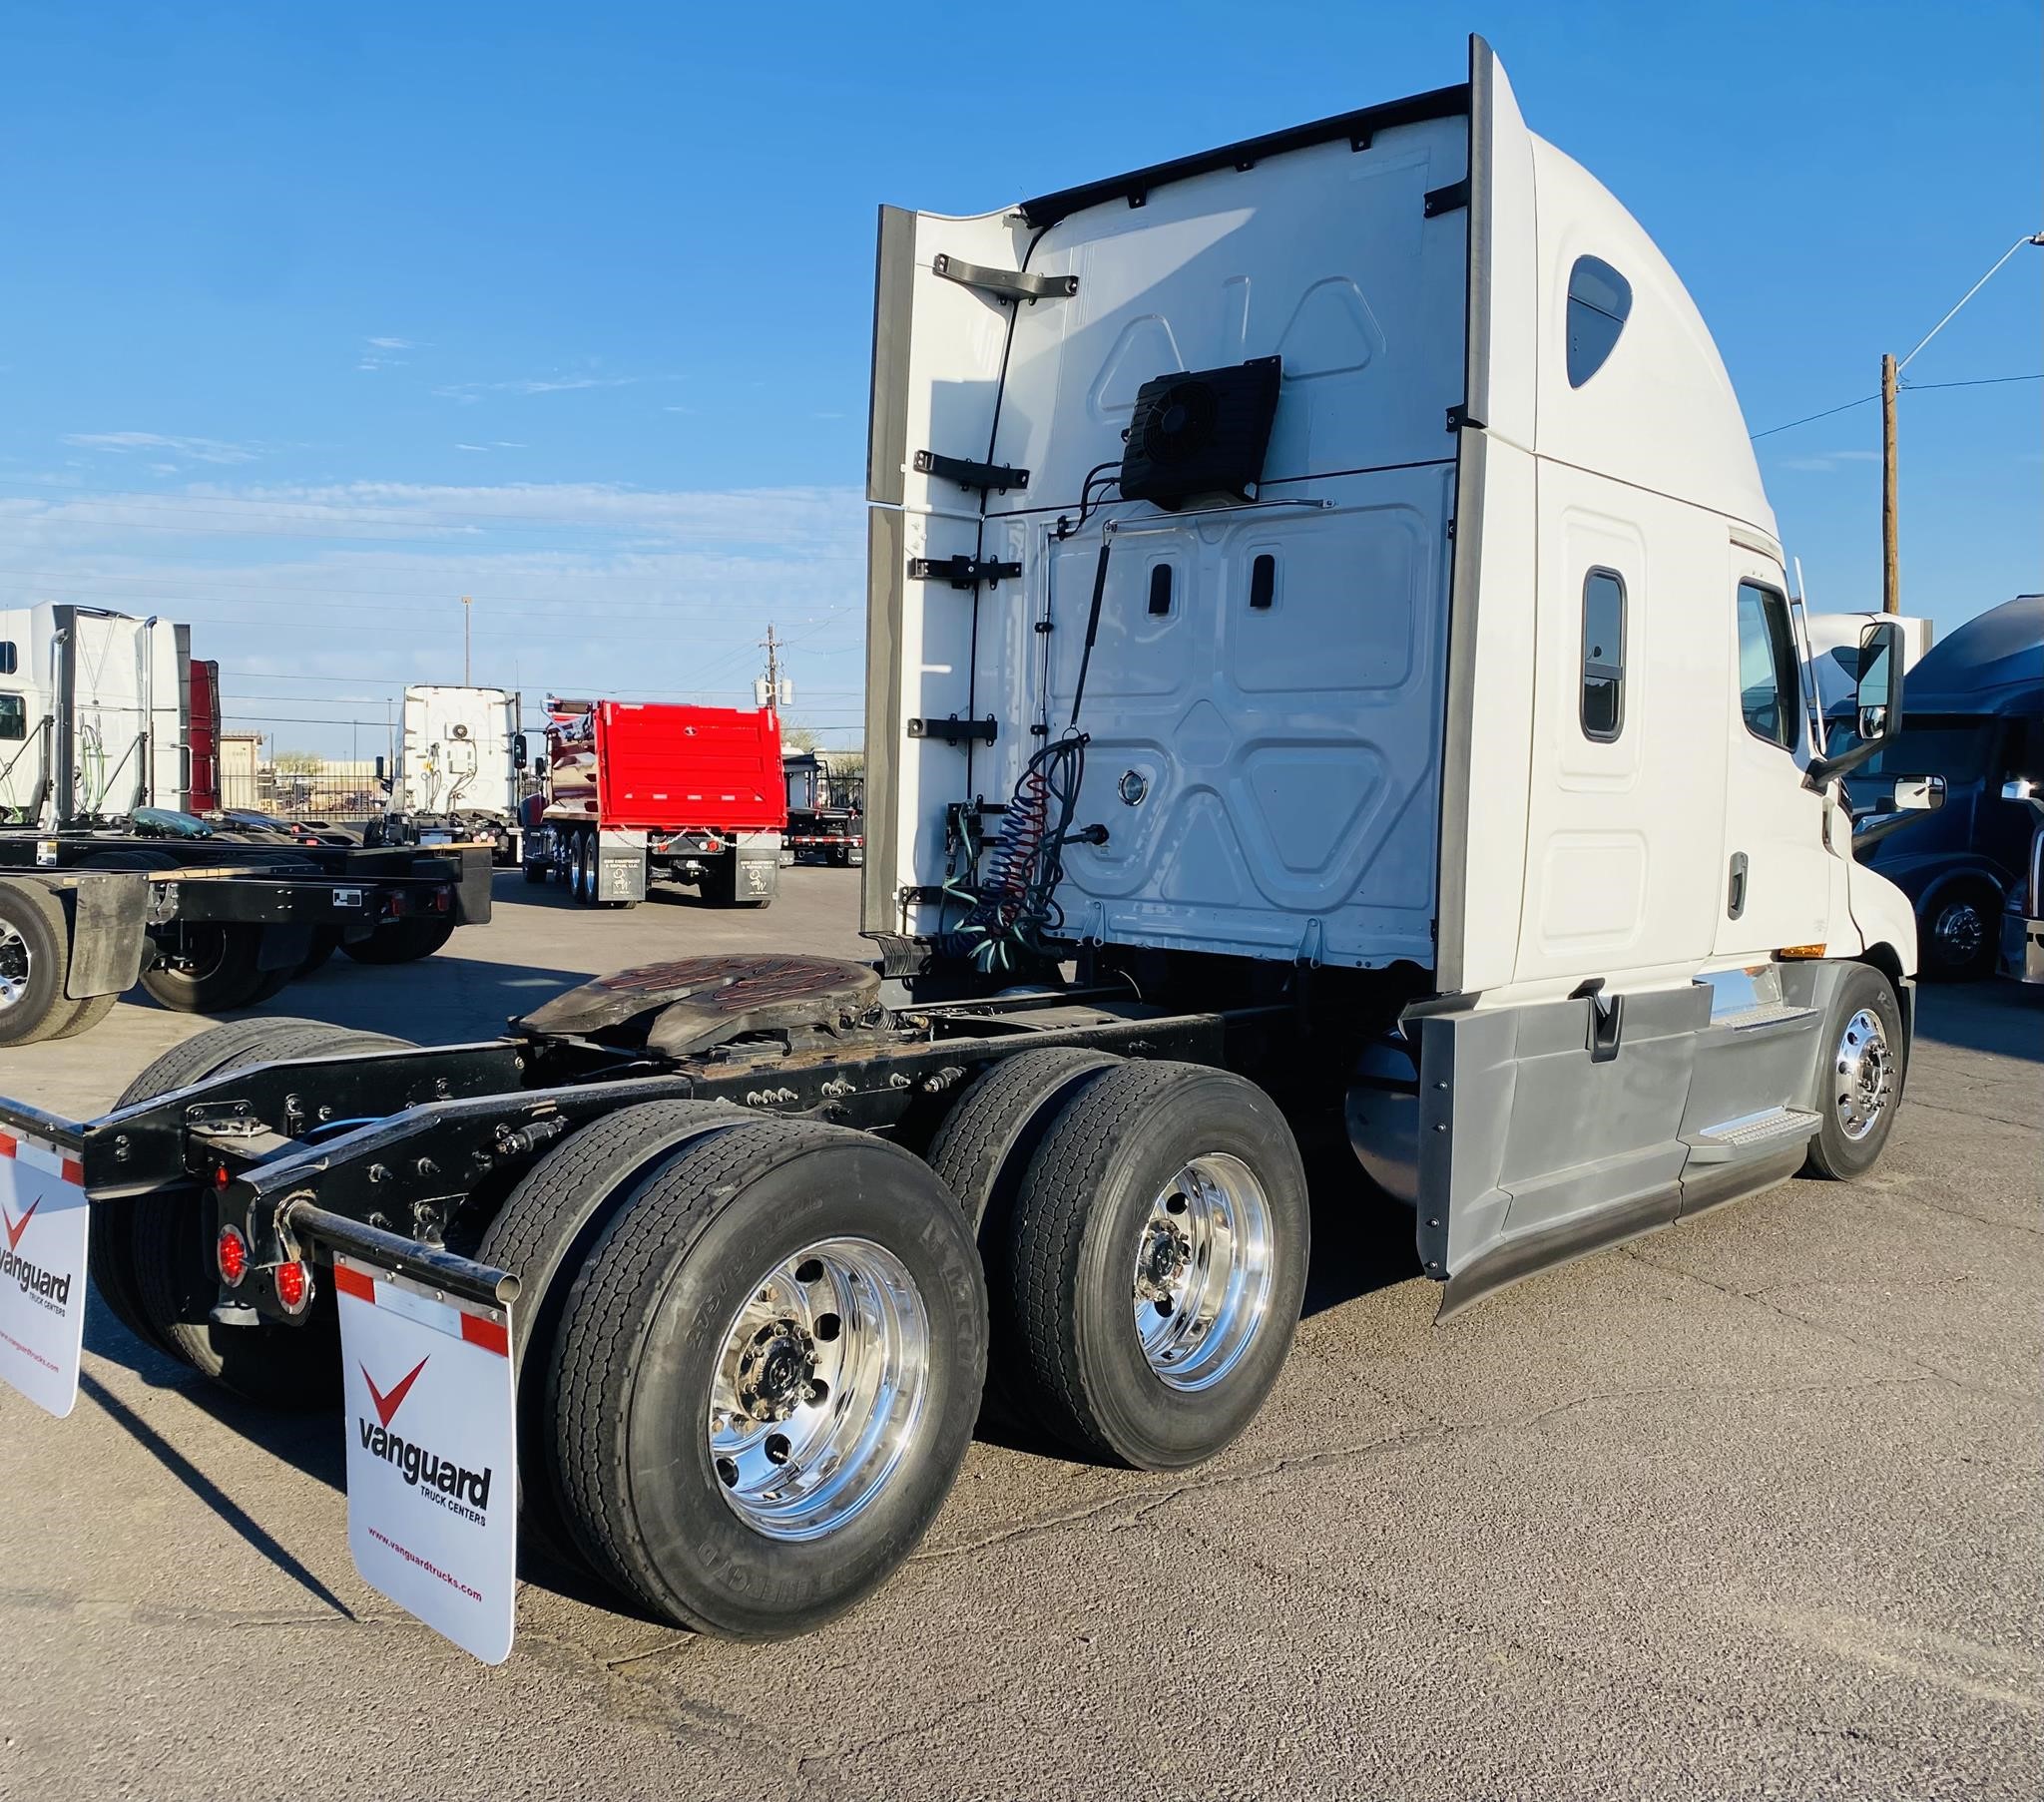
x=625, y=765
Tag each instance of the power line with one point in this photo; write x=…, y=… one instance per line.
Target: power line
x=1985, y=381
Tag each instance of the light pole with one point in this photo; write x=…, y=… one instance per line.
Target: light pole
x=1890, y=384
x=466, y=607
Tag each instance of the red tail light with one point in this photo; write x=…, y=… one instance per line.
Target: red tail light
x=232, y=1255
x=293, y=1286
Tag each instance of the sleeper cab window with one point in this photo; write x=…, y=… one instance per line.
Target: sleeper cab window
x=1599, y=300
x=1770, y=685
x=7, y=658
x=13, y=716
x=1603, y=654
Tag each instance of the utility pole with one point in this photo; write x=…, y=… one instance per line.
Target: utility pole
x=772, y=649
x=1890, y=378
x=467, y=608
x=1890, y=544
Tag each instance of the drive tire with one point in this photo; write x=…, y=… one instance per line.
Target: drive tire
x=405, y=943
x=543, y=1236
x=326, y=940
x=110, y=1246
x=1958, y=932
x=226, y=974
x=1834, y=1152
x=86, y=1015
x=32, y=932
x=1116, y=1149
x=980, y=1153
x=582, y=881
x=272, y=1364
x=645, y=1334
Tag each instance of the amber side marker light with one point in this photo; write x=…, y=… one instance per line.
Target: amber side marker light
x=1789, y=951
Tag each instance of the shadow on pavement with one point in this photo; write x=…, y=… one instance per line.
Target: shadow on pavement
x=2003, y=1019
x=208, y=1491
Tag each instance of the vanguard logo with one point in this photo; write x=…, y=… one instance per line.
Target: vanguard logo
x=419, y=1466
x=33, y=1278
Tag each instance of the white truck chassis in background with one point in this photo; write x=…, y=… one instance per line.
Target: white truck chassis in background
x=1356, y=692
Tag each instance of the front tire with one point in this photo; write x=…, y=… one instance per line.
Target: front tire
x=1859, y=1084
x=766, y=1377
x=1157, y=1263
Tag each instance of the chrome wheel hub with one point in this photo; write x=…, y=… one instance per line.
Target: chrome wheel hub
x=1864, y=1073
x=1204, y=1270
x=14, y=967
x=1959, y=930
x=822, y=1377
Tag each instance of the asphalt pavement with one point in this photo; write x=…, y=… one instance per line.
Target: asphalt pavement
x=1749, y=1506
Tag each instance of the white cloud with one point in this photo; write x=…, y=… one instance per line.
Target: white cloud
x=392, y=344
x=581, y=587
x=468, y=393
x=200, y=450
x=472, y=447
x=1830, y=460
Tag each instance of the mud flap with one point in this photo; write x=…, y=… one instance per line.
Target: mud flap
x=43, y=1214
x=433, y=1453
x=107, y=912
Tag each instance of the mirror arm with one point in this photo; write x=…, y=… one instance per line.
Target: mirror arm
x=1823, y=770
x=1886, y=825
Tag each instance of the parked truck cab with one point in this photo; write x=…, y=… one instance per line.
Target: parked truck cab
x=1330, y=668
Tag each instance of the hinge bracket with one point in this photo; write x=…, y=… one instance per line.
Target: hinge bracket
x=1451, y=199
x=954, y=730
x=967, y=474
x=960, y=571
x=1005, y=284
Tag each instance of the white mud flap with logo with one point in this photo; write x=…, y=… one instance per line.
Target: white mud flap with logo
x=433, y=1477
x=42, y=1270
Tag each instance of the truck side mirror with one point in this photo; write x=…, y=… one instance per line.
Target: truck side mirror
x=519, y=754
x=379, y=769
x=1877, y=702
x=1878, y=694
x=1912, y=796
x=539, y=765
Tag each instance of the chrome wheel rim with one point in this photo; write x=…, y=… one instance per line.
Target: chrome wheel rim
x=1865, y=1070
x=821, y=1380
x=1204, y=1264
x=16, y=967
x=1959, y=930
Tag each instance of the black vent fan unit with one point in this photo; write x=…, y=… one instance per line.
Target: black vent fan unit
x=1201, y=434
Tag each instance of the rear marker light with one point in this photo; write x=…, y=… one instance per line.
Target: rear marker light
x=233, y=1256
x=293, y=1286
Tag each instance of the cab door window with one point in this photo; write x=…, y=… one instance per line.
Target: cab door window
x=13, y=716
x=1769, y=687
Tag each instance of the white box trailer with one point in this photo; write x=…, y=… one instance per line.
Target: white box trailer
x=461, y=763
x=1330, y=667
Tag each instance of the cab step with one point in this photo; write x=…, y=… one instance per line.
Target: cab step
x=1752, y=1134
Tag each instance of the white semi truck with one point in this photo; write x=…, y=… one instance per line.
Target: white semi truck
x=1330, y=669
x=461, y=770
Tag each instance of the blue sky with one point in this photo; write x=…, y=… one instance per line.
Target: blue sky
x=313, y=319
